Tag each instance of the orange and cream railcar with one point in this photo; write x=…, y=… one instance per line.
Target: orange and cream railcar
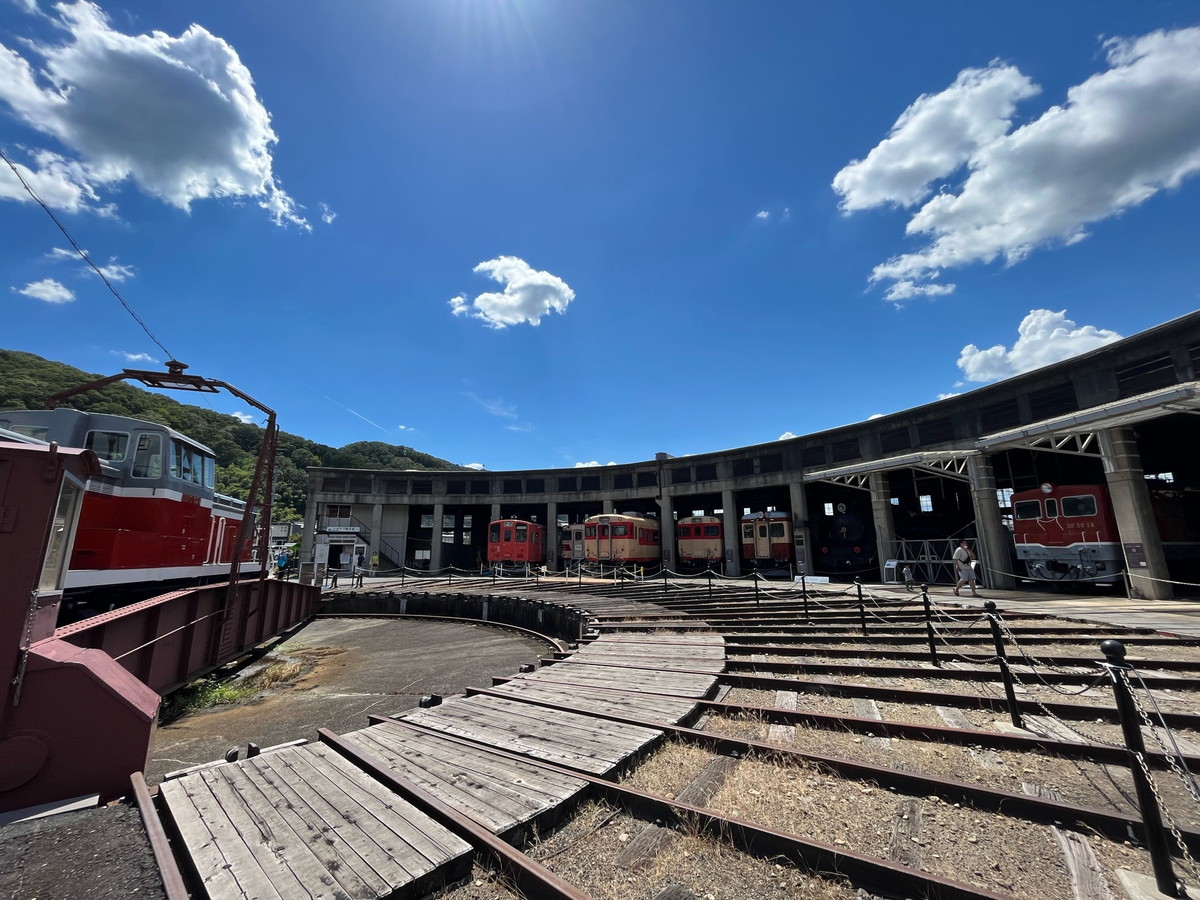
x=516, y=542
x=700, y=540
x=622, y=538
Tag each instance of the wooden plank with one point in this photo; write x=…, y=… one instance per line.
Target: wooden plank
x=266, y=851
x=212, y=844
x=646, y=707
x=311, y=860
x=486, y=798
x=868, y=709
x=783, y=734
x=349, y=845
x=1087, y=875
x=906, y=833
x=674, y=892
x=640, y=852
x=1052, y=728
x=425, y=837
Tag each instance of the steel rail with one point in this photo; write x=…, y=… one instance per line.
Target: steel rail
x=1076, y=711
x=1108, y=754
x=864, y=870
x=160, y=844
x=1113, y=824
x=533, y=880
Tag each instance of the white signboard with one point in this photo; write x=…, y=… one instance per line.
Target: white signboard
x=813, y=579
x=321, y=554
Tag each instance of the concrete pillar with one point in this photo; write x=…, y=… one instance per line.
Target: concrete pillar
x=435, y=540
x=376, y=528
x=399, y=541
x=553, y=544
x=733, y=534
x=608, y=508
x=801, y=532
x=1143, y=551
x=994, y=539
x=307, y=540
x=666, y=518
x=881, y=515
x=495, y=512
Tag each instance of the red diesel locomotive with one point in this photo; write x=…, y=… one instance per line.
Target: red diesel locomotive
x=152, y=520
x=515, y=542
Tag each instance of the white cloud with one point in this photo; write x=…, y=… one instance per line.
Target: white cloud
x=947, y=395
x=405, y=428
x=519, y=427
x=136, y=357
x=762, y=214
x=588, y=465
x=116, y=271
x=1121, y=137
x=906, y=290
x=244, y=417
x=528, y=294
x=327, y=214
x=48, y=290
x=113, y=271
x=786, y=436
x=1044, y=337
x=478, y=467
x=495, y=407
x=178, y=116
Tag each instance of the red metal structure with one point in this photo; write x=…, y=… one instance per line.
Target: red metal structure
x=1067, y=532
x=78, y=705
x=516, y=542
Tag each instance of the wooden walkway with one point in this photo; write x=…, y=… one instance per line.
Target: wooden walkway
x=306, y=822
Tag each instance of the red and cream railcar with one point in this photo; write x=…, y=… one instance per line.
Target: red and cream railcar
x=153, y=516
x=572, y=544
x=700, y=540
x=516, y=542
x=1067, y=532
x=767, y=538
x=623, y=538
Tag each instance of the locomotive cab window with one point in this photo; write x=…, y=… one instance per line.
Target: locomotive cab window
x=712, y=530
x=522, y=533
x=187, y=462
x=108, y=445
x=1079, y=506
x=620, y=531
x=494, y=533
x=147, y=457
x=590, y=531
x=777, y=529
x=685, y=531
x=1028, y=509
x=748, y=532
x=1051, y=508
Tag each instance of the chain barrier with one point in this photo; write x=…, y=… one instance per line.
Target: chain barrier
x=1158, y=797
x=1173, y=754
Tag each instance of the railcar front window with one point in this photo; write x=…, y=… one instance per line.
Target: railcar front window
x=1079, y=506
x=522, y=533
x=712, y=530
x=748, y=532
x=620, y=530
x=590, y=531
x=147, y=456
x=685, y=531
x=494, y=533
x=1028, y=509
x=108, y=445
x=777, y=529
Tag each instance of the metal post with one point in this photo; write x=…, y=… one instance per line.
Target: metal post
x=756, y=600
x=664, y=574
x=1155, y=836
x=804, y=594
x=450, y=575
x=933, y=656
x=1005, y=675
x=862, y=610
x=709, y=582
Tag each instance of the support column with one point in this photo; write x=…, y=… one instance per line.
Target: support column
x=1141, y=544
x=881, y=515
x=607, y=508
x=376, y=529
x=397, y=541
x=435, y=539
x=495, y=512
x=308, y=541
x=994, y=540
x=801, y=533
x=733, y=535
x=666, y=520
x=553, y=544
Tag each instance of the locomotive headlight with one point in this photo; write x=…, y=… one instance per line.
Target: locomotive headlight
x=1047, y=488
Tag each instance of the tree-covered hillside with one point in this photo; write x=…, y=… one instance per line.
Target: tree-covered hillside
x=26, y=380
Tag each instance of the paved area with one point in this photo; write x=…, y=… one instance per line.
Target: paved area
x=355, y=668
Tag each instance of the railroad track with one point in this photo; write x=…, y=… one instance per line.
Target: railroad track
x=819, y=763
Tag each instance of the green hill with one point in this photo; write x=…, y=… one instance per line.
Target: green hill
x=26, y=380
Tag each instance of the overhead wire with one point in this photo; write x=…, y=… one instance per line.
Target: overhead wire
x=83, y=254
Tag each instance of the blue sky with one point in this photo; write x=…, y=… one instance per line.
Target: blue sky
x=537, y=234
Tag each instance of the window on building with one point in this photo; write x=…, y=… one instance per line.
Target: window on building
x=829, y=509
x=1004, y=497
x=706, y=472
x=448, y=520
x=447, y=537
x=427, y=520
x=338, y=510
x=925, y=501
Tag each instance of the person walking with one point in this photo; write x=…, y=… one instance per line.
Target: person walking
x=909, y=585
x=964, y=570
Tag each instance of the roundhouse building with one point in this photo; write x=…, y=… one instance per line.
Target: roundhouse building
x=862, y=499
